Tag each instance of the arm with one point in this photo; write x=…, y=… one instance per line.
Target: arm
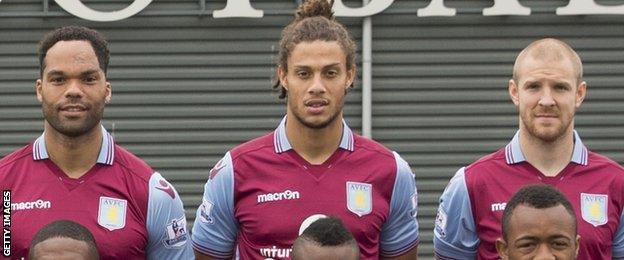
x=399, y=234
x=166, y=223
x=455, y=235
x=409, y=255
x=215, y=229
x=618, y=240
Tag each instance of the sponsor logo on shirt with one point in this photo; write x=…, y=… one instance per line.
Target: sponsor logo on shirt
x=216, y=169
x=112, y=213
x=176, y=233
x=594, y=208
x=163, y=185
x=205, y=210
x=37, y=204
x=285, y=195
x=359, y=198
x=498, y=206
x=275, y=252
x=440, y=223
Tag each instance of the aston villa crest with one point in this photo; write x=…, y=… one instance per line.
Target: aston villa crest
x=112, y=213
x=359, y=198
x=594, y=208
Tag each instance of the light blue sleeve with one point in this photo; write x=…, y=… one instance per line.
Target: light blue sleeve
x=455, y=235
x=215, y=229
x=166, y=222
x=399, y=233
x=618, y=240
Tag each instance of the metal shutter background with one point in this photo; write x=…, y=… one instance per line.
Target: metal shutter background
x=186, y=88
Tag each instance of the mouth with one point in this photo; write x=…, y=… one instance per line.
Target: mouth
x=73, y=110
x=316, y=106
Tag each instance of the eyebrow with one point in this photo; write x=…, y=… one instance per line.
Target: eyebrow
x=84, y=73
x=326, y=66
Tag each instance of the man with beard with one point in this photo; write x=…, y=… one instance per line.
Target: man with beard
x=75, y=171
x=261, y=192
x=547, y=88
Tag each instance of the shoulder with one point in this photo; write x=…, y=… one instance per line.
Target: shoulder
x=371, y=146
x=597, y=159
x=132, y=164
x=487, y=161
x=258, y=144
x=17, y=155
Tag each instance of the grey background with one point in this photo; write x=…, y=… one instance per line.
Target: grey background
x=188, y=87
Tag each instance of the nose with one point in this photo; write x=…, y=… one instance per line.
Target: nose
x=546, y=99
x=544, y=252
x=317, y=86
x=74, y=89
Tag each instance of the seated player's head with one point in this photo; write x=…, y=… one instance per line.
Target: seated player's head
x=538, y=223
x=326, y=238
x=63, y=240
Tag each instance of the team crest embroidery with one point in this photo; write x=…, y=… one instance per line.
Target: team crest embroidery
x=359, y=198
x=594, y=208
x=112, y=213
x=176, y=233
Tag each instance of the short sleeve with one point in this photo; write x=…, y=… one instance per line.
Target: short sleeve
x=215, y=228
x=400, y=232
x=618, y=240
x=455, y=235
x=166, y=222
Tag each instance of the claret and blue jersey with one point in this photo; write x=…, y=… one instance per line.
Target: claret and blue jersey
x=132, y=211
x=260, y=193
x=471, y=207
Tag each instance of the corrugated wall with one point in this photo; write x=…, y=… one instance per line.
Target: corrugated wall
x=186, y=88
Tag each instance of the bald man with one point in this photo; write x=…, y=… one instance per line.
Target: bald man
x=547, y=88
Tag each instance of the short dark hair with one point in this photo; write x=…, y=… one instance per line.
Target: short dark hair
x=328, y=231
x=75, y=33
x=539, y=196
x=66, y=229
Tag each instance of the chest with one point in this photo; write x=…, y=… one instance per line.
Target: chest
x=107, y=210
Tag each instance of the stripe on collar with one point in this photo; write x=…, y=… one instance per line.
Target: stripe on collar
x=106, y=156
x=281, y=143
x=513, y=153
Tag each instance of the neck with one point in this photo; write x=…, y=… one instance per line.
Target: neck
x=548, y=157
x=73, y=155
x=314, y=145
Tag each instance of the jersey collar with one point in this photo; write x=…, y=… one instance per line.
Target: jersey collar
x=281, y=144
x=106, y=156
x=513, y=153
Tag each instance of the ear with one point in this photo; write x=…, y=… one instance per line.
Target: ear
x=109, y=93
x=351, y=77
x=501, y=248
x=38, y=90
x=578, y=241
x=281, y=75
x=513, y=92
x=581, y=91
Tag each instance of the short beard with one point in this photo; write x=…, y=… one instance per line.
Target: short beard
x=66, y=129
x=545, y=136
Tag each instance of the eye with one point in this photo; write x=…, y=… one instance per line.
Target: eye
x=90, y=79
x=532, y=86
x=526, y=247
x=562, y=87
x=302, y=74
x=57, y=80
x=331, y=73
x=560, y=244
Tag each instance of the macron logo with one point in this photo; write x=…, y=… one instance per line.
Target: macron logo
x=38, y=204
x=285, y=195
x=498, y=206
